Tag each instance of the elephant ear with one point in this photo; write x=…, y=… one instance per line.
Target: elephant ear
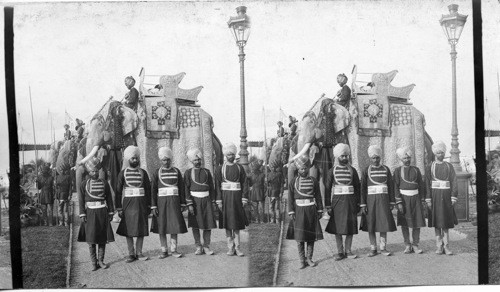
x=130, y=120
x=64, y=158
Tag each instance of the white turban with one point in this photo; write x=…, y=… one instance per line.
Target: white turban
x=229, y=148
x=165, y=152
x=131, y=151
x=374, y=150
x=341, y=149
x=402, y=152
x=438, y=146
x=192, y=154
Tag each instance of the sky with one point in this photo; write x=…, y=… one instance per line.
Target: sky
x=74, y=56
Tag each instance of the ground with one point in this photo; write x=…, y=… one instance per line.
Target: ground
x=218, y=270
x=44, y=254
x=398, y=269
x=263, y=243
x=494, y=248
x=5, y=264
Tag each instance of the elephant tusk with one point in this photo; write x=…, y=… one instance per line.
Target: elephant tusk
x=301, y=152
x=91, y=154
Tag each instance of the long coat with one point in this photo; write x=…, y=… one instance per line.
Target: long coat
x=379, y=217
x=408, y=180
x=200, y=180
x=232, y=200
x=136, y=209
x=304, y=200
x=343, y=195
x=170, y=219
x=443, y=177
x=97, y=229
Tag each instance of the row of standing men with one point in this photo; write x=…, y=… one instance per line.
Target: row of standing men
x=375, y=195
x=166, y=195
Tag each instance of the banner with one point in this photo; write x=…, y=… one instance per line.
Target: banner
x=373, y=118
x=161, y=118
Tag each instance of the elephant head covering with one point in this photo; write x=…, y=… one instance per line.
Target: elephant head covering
x=303, y=161
x=229, y=148
x=438, y=146
x=403, y=151
x=93, y=164
x=192, y=154
x=341, y=149
x=374, y=150
x=165, y=152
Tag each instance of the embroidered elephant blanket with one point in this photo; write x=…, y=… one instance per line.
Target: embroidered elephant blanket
x=373, y=118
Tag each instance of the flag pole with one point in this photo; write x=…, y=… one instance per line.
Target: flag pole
x=34, y=137
x=264, y=146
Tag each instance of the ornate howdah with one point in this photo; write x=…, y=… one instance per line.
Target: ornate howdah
x=169, y=107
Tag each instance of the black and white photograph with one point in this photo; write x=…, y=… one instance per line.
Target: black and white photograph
x=491, y=68
x=207, y=144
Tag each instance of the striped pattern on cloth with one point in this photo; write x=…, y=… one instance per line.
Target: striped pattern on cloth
x=168, y=176
x=342, y=175
x=133, y=177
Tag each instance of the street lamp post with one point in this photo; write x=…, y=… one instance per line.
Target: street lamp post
x=453, y=25
x=240, y=27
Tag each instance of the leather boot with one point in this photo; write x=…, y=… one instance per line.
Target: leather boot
x=93, y=258
x=302, y=255
x=101, y=251
x=310, y=250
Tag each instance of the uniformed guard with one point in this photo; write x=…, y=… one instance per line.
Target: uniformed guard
x=45, y=183
x=96, y=212
x=442, y=194
x=275, y=182
x=306, y=208
x=377, y=201
x=168, y=203
x=342, y=199
x=200, y=199
x=135, y=189
x=409, y=190
x=232, y=196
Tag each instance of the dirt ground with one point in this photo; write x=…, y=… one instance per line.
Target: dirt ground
x=5, y=260
x=192, y=270
x=399, y=269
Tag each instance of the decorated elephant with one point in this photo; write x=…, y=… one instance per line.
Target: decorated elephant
x=168, y=117
x=371, y=119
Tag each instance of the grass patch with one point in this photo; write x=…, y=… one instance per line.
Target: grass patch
x=44, y=253
x=494, y=248
x=263, y=242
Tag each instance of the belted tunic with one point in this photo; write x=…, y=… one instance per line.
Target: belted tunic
x=200, y=193
x=304, y=200
x=133, y=192
x=167, y=194
x=441, y=183
x=342, y=194
x=232, y=191
x=409, y=190
x=95, y=202
x=377, y=194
